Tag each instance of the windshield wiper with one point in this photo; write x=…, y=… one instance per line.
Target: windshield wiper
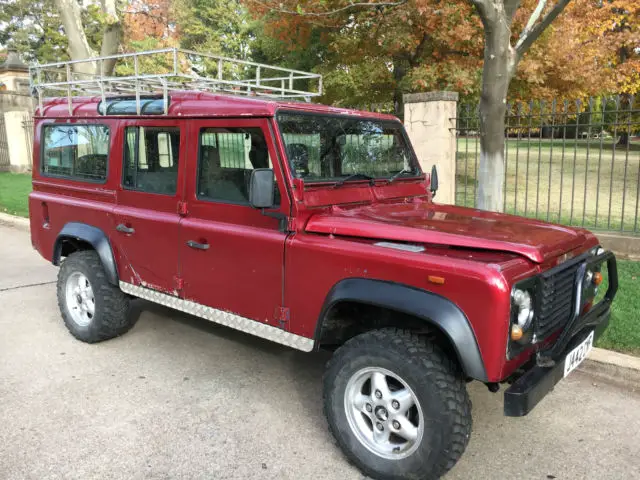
x=354, y=176
x=396, y=175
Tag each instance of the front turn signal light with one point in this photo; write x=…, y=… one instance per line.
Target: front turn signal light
x=516, y=333
x=597, y=278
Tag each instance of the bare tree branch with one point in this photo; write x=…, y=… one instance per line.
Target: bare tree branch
x=415, y=58
x=352, y=5
x=531, y=33
x=535, y=15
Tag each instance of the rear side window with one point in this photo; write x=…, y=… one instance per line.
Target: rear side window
x=151, y=159
x=79, y=152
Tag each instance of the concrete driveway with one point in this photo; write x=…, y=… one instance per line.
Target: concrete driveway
x=178, y=397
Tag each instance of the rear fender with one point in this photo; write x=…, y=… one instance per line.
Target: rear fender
x=429, y=307
x=74, y=231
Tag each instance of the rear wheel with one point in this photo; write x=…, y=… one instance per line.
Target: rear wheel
x=92, y=308
x=397, y=406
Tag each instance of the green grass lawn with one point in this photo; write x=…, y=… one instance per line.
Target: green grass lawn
x=623, y=333
x=14, y=192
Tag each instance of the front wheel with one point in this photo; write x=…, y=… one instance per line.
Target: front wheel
x=397, y=405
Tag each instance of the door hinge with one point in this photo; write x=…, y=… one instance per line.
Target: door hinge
x=182, y=208
x=178, y=282
x=291, y=224
x=283, y=316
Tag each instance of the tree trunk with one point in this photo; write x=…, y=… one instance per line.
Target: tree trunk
x=399, y=72
x=111, y=36
x=623, y=141
x=79, y=48
x=499, y=65
x=78, y=45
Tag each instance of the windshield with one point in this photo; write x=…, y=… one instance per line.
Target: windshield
x=324, y=148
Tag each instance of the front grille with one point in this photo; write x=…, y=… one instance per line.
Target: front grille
x=556, y=299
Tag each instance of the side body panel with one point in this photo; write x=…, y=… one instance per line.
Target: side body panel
x=57, y=201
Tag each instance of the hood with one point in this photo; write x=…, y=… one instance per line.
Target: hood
x=430, y=223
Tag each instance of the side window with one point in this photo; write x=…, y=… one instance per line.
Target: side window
x=79, y=152
x=151, y=159
x=227, y=158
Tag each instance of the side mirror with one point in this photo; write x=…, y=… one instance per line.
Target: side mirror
x=434, y=180
x=262, y=188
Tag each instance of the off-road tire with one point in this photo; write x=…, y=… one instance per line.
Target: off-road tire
x=436, y=381
x=111, y=317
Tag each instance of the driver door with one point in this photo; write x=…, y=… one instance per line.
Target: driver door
x=231, y=254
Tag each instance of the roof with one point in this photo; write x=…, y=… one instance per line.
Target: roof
x=13, y=63
x=201, y=104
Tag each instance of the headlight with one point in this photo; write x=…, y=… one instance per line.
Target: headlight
x=522, y=313
x=522, y=299
x=592, y=279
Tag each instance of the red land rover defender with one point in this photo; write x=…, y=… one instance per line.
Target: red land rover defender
x=314, y=227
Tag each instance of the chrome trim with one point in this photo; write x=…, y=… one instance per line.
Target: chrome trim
x=221, y=317
x=401, y=246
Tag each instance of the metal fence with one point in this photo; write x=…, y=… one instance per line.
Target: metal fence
x=4, y=146
x=570, y=162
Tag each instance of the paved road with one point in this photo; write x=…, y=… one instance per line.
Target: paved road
x=180, y=398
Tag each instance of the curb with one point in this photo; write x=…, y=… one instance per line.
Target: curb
x=13, y=221
x=613, y=367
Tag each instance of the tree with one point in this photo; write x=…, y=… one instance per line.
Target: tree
x=501, y=59
x=368, y=50
x=79, y=47
x=440, y=30
x=33, y=28
x=213, y=26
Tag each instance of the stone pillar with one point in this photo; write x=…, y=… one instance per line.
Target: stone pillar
x=17, y=141
x=14, y=74
x=429, y=119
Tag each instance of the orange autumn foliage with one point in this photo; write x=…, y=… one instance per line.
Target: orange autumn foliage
x=430, y=44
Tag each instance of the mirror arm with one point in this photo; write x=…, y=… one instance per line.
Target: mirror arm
x=283, y=219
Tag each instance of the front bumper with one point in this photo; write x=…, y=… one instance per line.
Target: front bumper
x=525, y=393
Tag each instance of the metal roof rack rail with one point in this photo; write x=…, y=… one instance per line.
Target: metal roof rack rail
x=158, y=72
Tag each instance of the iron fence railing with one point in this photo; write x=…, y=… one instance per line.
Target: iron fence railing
x=570, y=162
x=5, y=161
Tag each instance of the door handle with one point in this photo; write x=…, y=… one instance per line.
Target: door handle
x=199, y=246
x=124, y=229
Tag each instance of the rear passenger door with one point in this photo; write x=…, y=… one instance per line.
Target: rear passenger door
x=231, y=254
x=147, y=219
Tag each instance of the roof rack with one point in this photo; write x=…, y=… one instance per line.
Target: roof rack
x=157, y=72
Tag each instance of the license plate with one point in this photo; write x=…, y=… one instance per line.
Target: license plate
x=578, y=354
